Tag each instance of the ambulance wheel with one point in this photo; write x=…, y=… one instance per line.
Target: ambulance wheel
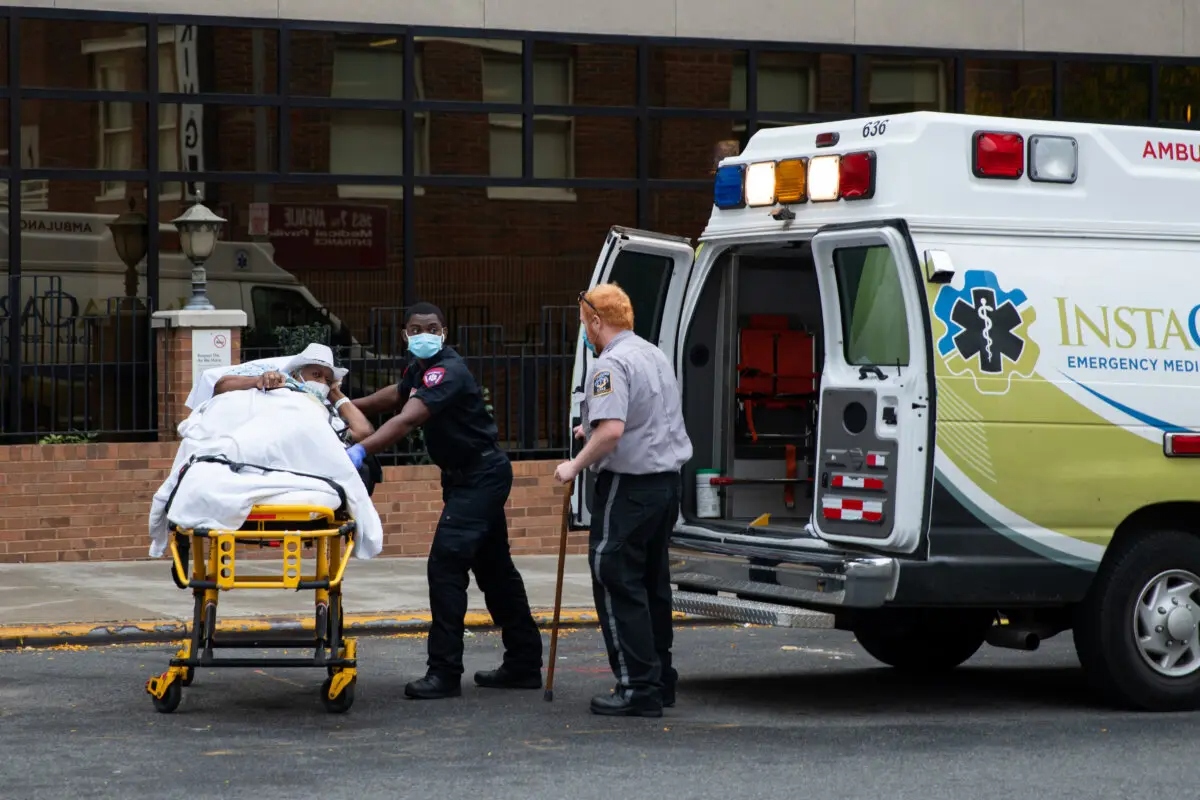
x=934, y=640
x=170, y=700
x=1137, y=633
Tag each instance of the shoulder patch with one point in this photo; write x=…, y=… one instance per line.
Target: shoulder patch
x=602, y=384
x=433, y=377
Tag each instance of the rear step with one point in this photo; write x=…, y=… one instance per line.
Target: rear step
x=753, y=612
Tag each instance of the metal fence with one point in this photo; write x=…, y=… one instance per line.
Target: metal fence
x=90, y=374
x=75, y=373
x=526, y=376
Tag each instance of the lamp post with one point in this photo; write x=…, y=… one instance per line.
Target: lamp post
x=131, y=239
x=198, y=230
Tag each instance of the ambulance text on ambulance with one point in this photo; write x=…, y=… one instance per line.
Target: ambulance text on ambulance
x=1157, y=337
x=1171, y=151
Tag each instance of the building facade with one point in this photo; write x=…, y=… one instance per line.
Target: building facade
x=468, y=152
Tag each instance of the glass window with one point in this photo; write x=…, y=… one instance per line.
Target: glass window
x=694, y=77
x=370, y=141
x=605, y=74
x=874, y=320
x=287, y=308
x=896, y=86
x=116, y=120
x=61, y=54
x=1010, y=88
x=553, y=145
x=690, y=148
x=645, y=278
x=795, y=84
x=1106, y=92
x=1179, y=94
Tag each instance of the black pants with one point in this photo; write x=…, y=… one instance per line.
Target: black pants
x=632, y=519
x=472, y=536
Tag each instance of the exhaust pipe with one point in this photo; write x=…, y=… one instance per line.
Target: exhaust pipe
x=1016, y=637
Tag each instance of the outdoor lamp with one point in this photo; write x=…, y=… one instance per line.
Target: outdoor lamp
x=131, y=239
x=198, y=231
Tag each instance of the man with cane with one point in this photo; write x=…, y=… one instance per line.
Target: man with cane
x=636, y=443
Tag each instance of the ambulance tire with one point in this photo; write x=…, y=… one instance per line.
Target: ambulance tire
x=925, y=640
x=1104, y=631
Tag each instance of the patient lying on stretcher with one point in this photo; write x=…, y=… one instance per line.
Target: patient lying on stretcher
x=259, y=448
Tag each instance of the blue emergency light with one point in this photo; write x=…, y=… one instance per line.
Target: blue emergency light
x=727, y=187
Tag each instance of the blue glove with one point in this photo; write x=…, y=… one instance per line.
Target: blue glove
x=357, y=455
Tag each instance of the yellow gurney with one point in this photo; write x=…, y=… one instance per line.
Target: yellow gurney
x=213, y=555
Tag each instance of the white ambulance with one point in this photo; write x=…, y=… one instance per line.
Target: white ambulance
x=941, y=374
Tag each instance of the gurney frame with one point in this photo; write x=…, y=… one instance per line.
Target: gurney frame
x=213, y=556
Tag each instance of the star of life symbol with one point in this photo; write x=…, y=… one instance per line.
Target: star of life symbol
x=985, y=314
x=986, y=333
x=987, y=330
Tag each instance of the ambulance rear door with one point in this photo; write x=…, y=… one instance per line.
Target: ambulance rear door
x=653, y=270
x=875, y=432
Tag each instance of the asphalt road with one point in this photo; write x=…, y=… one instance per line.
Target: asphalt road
x=762, y=713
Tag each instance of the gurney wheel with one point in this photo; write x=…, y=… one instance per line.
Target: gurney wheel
x=340, y=704
x=189, y=675
x=170, y=700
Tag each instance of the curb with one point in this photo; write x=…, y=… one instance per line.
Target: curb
x=15, y=637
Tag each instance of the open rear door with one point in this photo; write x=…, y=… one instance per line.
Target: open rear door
x=874, y=437
x=653, y=269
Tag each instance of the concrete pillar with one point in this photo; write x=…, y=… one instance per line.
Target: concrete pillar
x=189, y=342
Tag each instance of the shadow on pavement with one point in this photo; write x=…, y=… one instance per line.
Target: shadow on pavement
x=883, y=689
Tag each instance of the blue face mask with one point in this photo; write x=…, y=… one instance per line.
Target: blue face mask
x=425, y=345
x=591, y=348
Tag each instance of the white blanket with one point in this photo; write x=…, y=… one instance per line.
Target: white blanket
x=202, y=390
x=281, y=430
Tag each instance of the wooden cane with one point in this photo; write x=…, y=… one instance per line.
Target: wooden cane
x=562, y=557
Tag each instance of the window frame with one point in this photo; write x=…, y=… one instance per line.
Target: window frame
x=118, y=48
x=740, y=126
x=421, y=166
x=115, y=62
x=508, y=122
x=913, y=65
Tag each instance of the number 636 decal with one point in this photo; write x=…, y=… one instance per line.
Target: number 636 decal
x=875, y=128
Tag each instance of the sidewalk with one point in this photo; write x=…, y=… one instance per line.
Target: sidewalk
x=99, y=602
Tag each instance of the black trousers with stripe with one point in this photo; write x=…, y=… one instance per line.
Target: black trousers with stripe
x=632, y=519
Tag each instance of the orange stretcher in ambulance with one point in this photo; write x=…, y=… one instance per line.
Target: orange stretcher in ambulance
x=942, y=377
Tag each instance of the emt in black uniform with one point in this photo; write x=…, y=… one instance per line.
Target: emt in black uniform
x=438, y=393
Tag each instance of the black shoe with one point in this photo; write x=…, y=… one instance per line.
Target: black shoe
x=433, y=687
x=625, y=705
x=668, y=696
x=504, y=678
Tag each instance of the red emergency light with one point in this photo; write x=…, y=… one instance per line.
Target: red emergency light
x=857, y=176
x=1181, y=444
x=998, y=155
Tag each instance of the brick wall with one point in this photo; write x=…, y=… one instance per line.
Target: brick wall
x=90, y=503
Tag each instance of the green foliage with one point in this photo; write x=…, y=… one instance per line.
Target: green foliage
x=74, y=437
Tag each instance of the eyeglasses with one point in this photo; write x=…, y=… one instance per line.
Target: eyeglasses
x=583, y=299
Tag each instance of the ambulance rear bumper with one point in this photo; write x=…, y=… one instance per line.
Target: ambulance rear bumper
x=770, y=585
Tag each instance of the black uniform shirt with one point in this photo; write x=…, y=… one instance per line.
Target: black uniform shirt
x=459, y=428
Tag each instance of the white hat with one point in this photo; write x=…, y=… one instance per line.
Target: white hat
x=318, y=354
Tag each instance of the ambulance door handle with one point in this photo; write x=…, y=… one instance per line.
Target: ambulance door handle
x=919, y=405
x=889, y=415
x=863, y=372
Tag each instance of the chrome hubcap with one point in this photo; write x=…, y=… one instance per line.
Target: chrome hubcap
x=1165, y=623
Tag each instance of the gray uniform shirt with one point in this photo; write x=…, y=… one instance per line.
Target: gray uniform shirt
x=633, y=381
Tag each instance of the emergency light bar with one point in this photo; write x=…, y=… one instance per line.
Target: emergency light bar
x=795, y=180
x=1001, y=155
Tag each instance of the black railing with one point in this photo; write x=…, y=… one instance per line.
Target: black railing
x=528, y=381
x=78, y=372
